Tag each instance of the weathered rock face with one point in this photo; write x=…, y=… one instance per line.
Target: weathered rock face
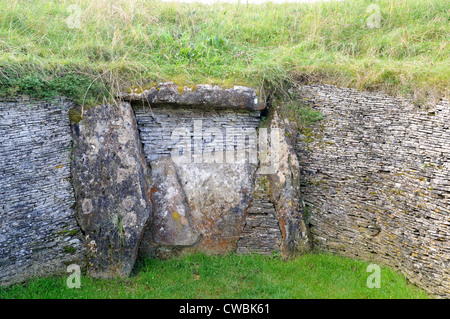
x=172, y=216
x=285, y=193
x=376, y=178
x=39, y=234
x=110, y=179
x=218, y=196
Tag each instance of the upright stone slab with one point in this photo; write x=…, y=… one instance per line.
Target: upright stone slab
x=285, y=192
x=110, y=179
x=218, y=196
x=214, y=196
x=172, y=217
x=215, y=179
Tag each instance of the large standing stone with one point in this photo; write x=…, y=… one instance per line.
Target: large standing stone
x=218, y=196
x=111, y=188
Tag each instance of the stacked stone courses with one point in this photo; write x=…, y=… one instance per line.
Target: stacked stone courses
x=375, y=173
x=38, y=230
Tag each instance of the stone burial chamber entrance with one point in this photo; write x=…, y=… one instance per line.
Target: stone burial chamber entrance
x=211, y=165
x=178, y=169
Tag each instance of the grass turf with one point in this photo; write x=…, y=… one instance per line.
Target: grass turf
x=318, y=275
x=90, y=51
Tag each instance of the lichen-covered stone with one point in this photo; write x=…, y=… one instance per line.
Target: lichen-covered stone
x=110, y=178
x=210, y=96
x=284, y=184
x=171, y=214
x=216, y=194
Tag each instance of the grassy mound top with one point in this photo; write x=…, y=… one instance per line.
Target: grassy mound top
x=92, y=49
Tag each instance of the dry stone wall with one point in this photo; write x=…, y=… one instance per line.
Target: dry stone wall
x=158, y=124
x=39, y=234
x=375, y=174
x=261, y=232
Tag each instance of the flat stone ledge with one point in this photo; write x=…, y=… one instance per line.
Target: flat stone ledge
x=168, y=93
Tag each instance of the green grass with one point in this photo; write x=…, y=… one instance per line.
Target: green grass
x=123, y=43
x=318, y=275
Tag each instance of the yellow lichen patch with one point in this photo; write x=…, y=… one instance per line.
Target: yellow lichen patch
x=176, y=216
x=182, y=87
